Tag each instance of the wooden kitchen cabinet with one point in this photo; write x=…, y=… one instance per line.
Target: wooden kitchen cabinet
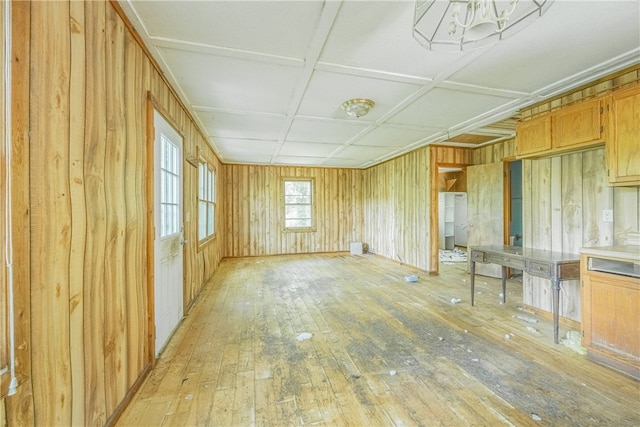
x=623, y=142
x=611, y=313
x=578, y=125
x=533, y=136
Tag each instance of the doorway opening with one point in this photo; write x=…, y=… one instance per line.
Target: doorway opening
x=514, y=207
x=452, y=216
x=513, y=210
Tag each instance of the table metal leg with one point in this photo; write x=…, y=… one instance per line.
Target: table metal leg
x=473, y=276
x=556, y=309
x=504, y=284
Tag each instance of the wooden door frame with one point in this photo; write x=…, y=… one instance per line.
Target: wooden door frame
x=152, y=106
x=434, y=218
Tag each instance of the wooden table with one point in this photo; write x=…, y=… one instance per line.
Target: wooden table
x=555, y=266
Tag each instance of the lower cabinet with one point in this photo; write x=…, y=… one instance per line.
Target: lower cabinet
x=611, y=313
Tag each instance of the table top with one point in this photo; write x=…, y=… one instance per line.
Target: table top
x=536, y=254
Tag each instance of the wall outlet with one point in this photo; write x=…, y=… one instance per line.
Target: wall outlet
x=607, y=215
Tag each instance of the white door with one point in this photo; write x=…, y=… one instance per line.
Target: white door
x=168, y=254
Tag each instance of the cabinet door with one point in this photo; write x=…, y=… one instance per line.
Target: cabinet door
x=623, y=146
x=610, y=318
x=578, y=125
x=533, y=136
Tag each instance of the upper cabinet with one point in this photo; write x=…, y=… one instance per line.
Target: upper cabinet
x=623, y=141
x=571, y=128
x=533, y=136
x=578, y=125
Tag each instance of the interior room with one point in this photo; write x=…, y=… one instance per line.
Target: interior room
x=317, y=212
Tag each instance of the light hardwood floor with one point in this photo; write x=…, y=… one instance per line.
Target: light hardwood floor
x=235, y=359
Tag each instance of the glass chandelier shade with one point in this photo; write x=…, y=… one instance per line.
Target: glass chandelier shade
x=463, y=25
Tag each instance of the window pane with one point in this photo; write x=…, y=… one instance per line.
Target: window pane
x=298, y=198
x=202, y=220
x=210, y=220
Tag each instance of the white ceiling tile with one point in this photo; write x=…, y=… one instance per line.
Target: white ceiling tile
x=227, y=125
x=235, y=24
x=363, y=153
x=235, y=147
x=443, y=108
x=327, y=91
x=537, y=56
x=377, y=35
x=299, y=160
x=328, y=131
x=344, y=163
x=247, y=158
x=307, y=149
x=388, y=136
x=232, y=83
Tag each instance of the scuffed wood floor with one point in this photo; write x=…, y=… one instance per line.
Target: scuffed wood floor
x=235, y=360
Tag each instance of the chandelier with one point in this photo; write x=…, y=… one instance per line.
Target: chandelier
x=462, y=25
x=357, y=107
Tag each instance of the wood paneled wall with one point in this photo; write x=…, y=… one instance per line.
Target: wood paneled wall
x=81, y=90
x=254, y=197
x=497, y=152
x=396, y=205
x=4, y=102
x=564, y=197
x=563, y=212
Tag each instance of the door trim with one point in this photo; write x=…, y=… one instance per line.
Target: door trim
x=434, y=217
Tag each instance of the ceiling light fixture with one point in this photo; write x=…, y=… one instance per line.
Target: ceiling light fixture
x=358, y=107
x=462, y=25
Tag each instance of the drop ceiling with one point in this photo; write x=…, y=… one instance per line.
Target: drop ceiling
x=265, y=79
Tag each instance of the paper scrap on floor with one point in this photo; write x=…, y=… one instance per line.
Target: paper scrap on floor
x=455, y=255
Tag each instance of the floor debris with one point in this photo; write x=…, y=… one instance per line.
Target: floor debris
x=411, y=278
x=392, y=373
x=304, y=336
x=533, y=330
x=535, y=417
x=455, y=300
x=574, y=342
x=451, y=256
x=526, y=319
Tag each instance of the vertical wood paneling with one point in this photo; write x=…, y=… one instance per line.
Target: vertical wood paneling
x=539, y=216
x=255, y=226
x=78, y=203
x=5, y=104
x=115, y=292
x=82, y=303
x=597, y=196
x=484, y=205
x=571, y=208
x=94, y=186
x=626, y=205
x=135, y=233
x=51, y=224
x=396, y=207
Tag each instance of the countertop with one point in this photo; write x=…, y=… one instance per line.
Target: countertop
x=620, y=252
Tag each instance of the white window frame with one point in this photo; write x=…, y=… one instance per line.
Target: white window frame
x=311, y=203
x=206, y=201
x=169, y=188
